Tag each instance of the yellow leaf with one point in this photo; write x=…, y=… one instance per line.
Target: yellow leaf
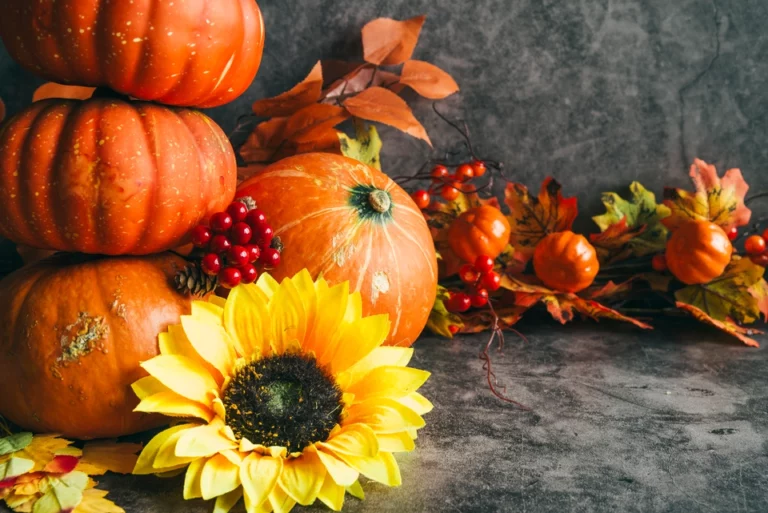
x=365, y=147
x=15, y=467
x=64, y=494
x=109, y=456
x=43, y=448
x=94, y=502
x=14, y=443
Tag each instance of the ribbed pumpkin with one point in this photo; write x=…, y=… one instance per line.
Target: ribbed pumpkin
x=698, y=252
x=479, y=231
x=347, y=221
x=75, y=330
x=200, y=53
x=565, y=261
x=111, y=177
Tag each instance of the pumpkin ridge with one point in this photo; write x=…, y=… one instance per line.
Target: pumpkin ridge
x=145, y=112
x=187, y=64
x=55, y=208
x=185, y=117
x=139, y=71
x=312, y=215
x=366, y=263
x=410, y=237
x=399, y=307
x=331, y=258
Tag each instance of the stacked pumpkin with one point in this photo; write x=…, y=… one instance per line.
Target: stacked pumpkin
x=115, y=183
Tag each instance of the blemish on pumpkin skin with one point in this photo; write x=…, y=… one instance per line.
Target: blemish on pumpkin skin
x=379, y=285
x=81, y=338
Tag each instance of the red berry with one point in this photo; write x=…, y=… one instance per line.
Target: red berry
x=249, y=272
x=211, y=264
x=734, y=232
x=221, y=222
x=453, y=329
x=254, y=252
x=765, y=234
x=450, y=191
x=484, y=263
x=478, y=167
x=219, y=244
x=480, y=298
x=264, y=234
x=238, y=255
x=230, y=277
x=468, y=274
x=491, y=281
x=270, y=257
x=465, y=173
x=439, y=173
x=237, y=210
x=761, y=259
x=659, y=262
x=754, y=245
x=256, y=218
x=421, y=198
x=201, y=236
x=241, y=233
x=459, y=302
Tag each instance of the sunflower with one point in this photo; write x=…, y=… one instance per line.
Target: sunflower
x=285, y=395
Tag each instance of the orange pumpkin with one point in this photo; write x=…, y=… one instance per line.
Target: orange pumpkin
x=565, y=261
x=479, y=231
x=75, y=329
x=347, y=221
x=200, y=53
x=698, y=252
x=112, y=177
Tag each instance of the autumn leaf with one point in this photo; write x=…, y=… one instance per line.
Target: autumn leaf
x=389, y=42
x=610, y=289
x=440, y=319
x=101, y=457
x=14, y=443
x=15, y=467
x=613, y=245
x=728, y=296
x=305, y=93
x=428, y=80
x=94, y=501
x=484, y=320
x=384, y=106
x=726, y=325
x=720, y=201
x=657, y=281
x=760, y=292
x=62, y=464
x=359, y=79
x=43, y=448
x=532, y=218
x=64, y=493
x=264, y=142
x=311, y=122
x=365, y=146
x=70, y=92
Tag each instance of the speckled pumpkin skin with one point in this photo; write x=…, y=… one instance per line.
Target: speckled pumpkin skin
x=75, y=330
x=200, y=53
x=106, y=176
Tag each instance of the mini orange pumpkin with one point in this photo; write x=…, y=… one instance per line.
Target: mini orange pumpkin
x=698, y=252
x=565, y=261
x=479, y=231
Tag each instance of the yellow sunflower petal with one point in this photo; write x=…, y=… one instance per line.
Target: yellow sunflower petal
x=208, y=312
x=220, y=476
x=147, y=456
x=308, y=295
x=416, y=402
x=175, y=342
x=259, y=475
x=172, y=404
x=216, y=300
x=183, y=375
x=246, y=319
x=167, y=459
x=281, y=502
x=211, y=341
x=356, y=490
x=380, y=357
x=396, y=442
x=288, y=319
x=192, y=488
x=204, y=441
x=148, y=386
x=354, y=307
x=303, y=477
x=382, y=468
x=384, y=416
x=332, y=307
x=357, y=340
x=331, y=494
x=224, y=503
x=267, y=285
x=356, y=440
x=393, y=382
x=341, y=473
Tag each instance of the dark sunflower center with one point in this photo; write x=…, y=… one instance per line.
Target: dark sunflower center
x=371, y=203
x=285, y=400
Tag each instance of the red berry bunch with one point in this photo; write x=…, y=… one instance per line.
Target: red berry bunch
x=755, y=246
x=448, y=185
x=234, y=242
x=480, y=278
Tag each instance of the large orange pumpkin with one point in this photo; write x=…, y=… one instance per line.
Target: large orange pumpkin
x=347, y=221
x=200, y=53
x=698, y=252
x=75, y=329
x=109, y=176
x=565, y=261
x=479, y=231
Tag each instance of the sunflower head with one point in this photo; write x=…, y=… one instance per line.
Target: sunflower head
x=284, y=395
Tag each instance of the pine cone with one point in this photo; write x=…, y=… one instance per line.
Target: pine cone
x=193, y=280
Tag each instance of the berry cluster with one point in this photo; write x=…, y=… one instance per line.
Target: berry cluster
x=233, y=242
x=448, y=185
x=479, y=278
x=755, y=246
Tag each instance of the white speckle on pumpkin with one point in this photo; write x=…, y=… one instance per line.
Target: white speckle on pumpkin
x=379, y=285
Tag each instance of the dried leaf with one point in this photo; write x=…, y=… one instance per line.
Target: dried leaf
x=94, y=502
x=657, y=281
x=533, y=218
x=53, y=90
x=428, y=80
x=610, y=289
x=63, y=495
x=727, y=325
x=720, y=201
x=264, y=142
x=14, y=443
x=384, y=106
x=358, y=80
x=43, y=448
x=62, y=464
x=365, y=147
x=15, y=467
x=305, y=93
x=760, y=292
x=26, y=490
x=598, y=311
x=309, y=123
x=335, y=69
x=389, y=42
x=613, y=245
x=727, y=296
x=483, y=320
x=100, y=457
x=440, y=319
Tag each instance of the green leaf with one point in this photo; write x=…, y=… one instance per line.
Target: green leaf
x=64, y=494
x=728, y=296
x=14, y=443
x=440, y=319
x=15, y=467
x=365, y=147
x=640, y=210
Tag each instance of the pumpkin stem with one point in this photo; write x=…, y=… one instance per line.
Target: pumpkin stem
x=380, y=201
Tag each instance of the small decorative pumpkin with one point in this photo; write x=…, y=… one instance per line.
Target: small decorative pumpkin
x=479, y=231
x=347, y=221
x=108, y=176
x=698, y=252
x=565, y=261
x=75, y=331
x=202, y=54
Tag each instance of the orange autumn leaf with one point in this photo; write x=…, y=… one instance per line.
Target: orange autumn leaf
x=336, y=69
x=305, y=93
x=264, y=141
x=384, y=106
x=760, y=292
x=612, y=245
x=103, y=456
x=53, y=90
x=311, y=122
x=428, y=80
x=62, y=464
x=389, y=42
x=727, y=325
x=359, y=79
